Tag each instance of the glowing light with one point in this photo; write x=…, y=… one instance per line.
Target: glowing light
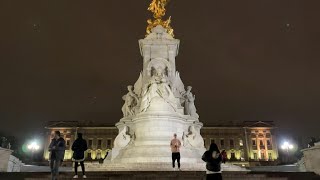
x=286, y=146
x=34, y=146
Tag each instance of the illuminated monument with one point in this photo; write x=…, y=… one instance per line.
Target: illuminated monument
x=158, y=105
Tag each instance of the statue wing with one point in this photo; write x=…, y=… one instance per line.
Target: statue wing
x=138, y=86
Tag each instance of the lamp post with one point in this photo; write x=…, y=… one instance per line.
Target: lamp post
x=33, y=147
x=286, y=146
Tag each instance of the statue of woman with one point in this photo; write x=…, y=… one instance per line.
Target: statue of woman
x=189, y=107
x=131, y=100
x=157, y=87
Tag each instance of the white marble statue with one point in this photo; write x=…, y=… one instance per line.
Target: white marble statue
x=189, y=107
x=131, y=101
x=157, y=87
x=122, y=139
x=193, y=138
x=154, y=110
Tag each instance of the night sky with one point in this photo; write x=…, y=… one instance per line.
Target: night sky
x=246, y=60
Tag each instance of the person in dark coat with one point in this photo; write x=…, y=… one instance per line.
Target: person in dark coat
x=56, y=148
x=213, y=159
x=224, y=156
x=79, y=146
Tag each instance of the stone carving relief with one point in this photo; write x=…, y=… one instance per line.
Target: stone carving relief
x=131, y=101
x=122, y=139
x=193, y=138
x=189, y=107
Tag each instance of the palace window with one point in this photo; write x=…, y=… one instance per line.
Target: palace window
x=212, y=141
x=109, y=143
x=261, y=143
x=67, y=142
x=255, y=157
x=270, y=156
x=262, y=156
x=268, y=142
x=89, y=156
x=254, y=142
x=99, y=143
x=98, y=155
x=222, y=142
x=233, y=156
x=231, y=143
x=90, y=143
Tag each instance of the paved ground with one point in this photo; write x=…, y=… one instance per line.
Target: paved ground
x=165, y=175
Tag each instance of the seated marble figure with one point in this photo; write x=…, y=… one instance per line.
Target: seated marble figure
x=157, y=87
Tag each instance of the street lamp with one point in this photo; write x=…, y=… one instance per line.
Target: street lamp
x=33, y=146
x=286, y=146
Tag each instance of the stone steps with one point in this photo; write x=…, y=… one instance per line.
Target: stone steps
x=157, y=167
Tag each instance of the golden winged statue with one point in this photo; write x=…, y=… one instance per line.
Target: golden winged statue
x=157, y=7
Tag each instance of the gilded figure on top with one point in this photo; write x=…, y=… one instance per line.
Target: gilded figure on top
x=157, y=7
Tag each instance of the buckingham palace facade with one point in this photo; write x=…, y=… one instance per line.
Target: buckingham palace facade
x=248, y=143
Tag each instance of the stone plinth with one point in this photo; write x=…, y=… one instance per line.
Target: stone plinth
x=4, y=159
x=152, y=135
x=311, y=158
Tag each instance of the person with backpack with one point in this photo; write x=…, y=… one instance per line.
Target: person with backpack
x=79, y=147
x=213, y=160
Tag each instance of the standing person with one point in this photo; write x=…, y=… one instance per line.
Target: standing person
x=224, y=156
x=213, y=159
x=57, y=148
x=79, y=147
x=175, y=149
